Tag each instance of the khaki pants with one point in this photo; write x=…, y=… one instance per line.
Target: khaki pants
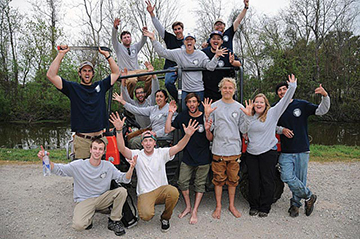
x=165, y=194
x=131, y=82
x=82, y=147
x=84, y=211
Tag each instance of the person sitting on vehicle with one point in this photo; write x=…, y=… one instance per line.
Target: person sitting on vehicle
x=212, y=79
x=157, y=114
x=228, y=121
x=192, y=81
x=295, y=147
x=92, y=179
x=152, y=185
x=196, y=154
x=127, y=56
x=229, y=33
x=141, y=99
x=88, y=105
x=172, y=41
x=262, y=154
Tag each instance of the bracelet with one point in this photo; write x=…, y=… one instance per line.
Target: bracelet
x=246, y=7
x=119, y=131
x=108, y=57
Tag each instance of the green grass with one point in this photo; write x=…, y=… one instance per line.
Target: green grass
x=319, y=153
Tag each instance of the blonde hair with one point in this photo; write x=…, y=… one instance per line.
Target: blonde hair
x=227, y=79
x=262, y=116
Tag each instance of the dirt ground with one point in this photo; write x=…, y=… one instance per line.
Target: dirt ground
x=34, y=206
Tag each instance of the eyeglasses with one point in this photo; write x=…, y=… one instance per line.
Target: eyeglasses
x=219, y=24
x=139, y=93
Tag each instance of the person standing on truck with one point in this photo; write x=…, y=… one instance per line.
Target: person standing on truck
x=196, y=155
x=152, y=186
x=88, y=105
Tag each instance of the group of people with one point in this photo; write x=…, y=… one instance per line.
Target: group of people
x=210, y=115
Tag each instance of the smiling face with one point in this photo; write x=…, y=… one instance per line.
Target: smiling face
x=281, y=91
x=259, y=105
x=178, y=31
x=140, y=95
x=219, y=26
x=215, y=41
x=190, y=45
x=97, y=150
x=86, y=74
x=227, y=90
x=160, y=99
x=193, y=105
x=148, y=145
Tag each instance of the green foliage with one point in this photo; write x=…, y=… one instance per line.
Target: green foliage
x=30, y=155
x=334, y=153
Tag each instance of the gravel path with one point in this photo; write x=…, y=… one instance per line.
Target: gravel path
x=36, y=207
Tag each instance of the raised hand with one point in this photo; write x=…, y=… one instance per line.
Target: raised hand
x=41, y=153
x=246, y=3
x=204, y=44
x=231, y=58
x=208, y=123
x=248, y=107
x=104, y=53
x=321, y=90
x=63, y=49
x=133, y=161
x=191, y=128
x=149, y=34
x=149, y=8
x=221, y=51
x=172, y=106
x=116, y=22
x=118, y=98
x=292, y=78
x=207, y=107
x=116, y=121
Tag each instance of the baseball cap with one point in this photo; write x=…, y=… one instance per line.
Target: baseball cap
x=85, y=63
x=216, y=33
x=219, y=20
x=190, y=35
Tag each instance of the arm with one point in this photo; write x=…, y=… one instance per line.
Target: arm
x=211, y=65
x=154, y=88
x=126, y=96
x=159, y=28
x=233, y=61
x=189, y=131
x=208, y=133
x=172, y=109
x=115, y=71
x=140, y=44
x=241, y=15
x=41, y=155
x=115, y=42
x=145, y=111
x=324, y=105
x=281, y=106
x=119, y=124
x=132, y=163
x=52, y=73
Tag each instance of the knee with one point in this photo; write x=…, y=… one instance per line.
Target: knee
x=173, y=192
x=121, y=192
x=146, y=215
x=80, y=225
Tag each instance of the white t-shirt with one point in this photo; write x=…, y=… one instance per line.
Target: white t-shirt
x=150, y=170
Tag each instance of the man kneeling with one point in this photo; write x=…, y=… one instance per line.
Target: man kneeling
x=92, y=179
x=152, y=186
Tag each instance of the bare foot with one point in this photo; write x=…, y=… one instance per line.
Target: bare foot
x=193, y=218
x=235, y=212
x=185, y=212
x=217, y=212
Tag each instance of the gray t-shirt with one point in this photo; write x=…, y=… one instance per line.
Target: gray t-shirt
x=90, y=181
x=144, y=121
x=262, y=134
x=191, y=80
x=126, y=60
x=228, y=122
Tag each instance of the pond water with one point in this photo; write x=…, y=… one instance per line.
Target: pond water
x=56, y=135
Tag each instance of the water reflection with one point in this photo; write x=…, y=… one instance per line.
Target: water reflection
x=56, y=135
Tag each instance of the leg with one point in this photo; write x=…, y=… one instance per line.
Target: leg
x=193, y=218
x=131, y=84
x=146, y=205
x=301, y=166
x=83, y=214
x=219, y=169
x=232, y=170
x=115, y=197
x=148, y=80
x=170, y=79
x=202, y=172
x=169, y=195
x=186, y=172
x=218, y=194
x=252, y=163
x=81, y=147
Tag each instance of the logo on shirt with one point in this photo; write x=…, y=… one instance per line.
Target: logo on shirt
x=196, y=62
x=234, y=114
x=221, y=63
x=201, y=128
x=133, y=52
x=226, y=38
x=160, y=115
x=183, y=47
x=97, y=88
x=297, y=112
x=103, y=175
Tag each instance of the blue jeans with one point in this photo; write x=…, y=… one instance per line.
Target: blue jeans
x=170, y=79
x=294, y=173
x=183, y=103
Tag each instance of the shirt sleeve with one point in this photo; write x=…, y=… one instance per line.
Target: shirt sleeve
x=154, y=88
x=145, y=111
x=65, y=170
x=244, y=121
x=324, y=106
x=140, y=44
x=159, y=28
x=161, y=51
x=115, y=42
x=119, y=177
x=284, y=102
x=209, y=65
x=126, y=95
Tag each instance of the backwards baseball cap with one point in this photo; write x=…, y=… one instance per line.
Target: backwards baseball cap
x=216, y=33
x=219, y=20
x=147, y=134
x=86, y=63
x=281, y=85
x=190, y=35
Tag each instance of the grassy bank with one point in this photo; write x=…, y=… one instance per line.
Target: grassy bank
x=319, y=153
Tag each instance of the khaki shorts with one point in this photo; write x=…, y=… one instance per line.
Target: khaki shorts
x=82, y=147
x=225, y=172
x=186, y=172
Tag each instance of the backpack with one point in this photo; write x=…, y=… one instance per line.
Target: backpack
x=129, y=212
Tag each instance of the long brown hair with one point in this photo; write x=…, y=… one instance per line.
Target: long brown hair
x=262, y=116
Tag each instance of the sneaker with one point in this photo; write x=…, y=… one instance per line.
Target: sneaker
x=165, y=225
x=293, y=211
x=117, y=227
x=263, y=214
x=253, y=212
x=309, y=204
